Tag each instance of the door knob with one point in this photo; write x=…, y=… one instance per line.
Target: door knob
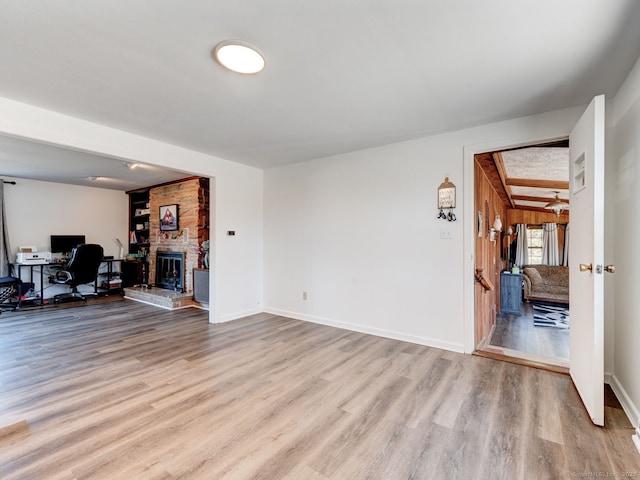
x=584, y=267
x=610, y=268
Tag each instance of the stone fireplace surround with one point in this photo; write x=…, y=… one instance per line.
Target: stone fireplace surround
x=192, y=197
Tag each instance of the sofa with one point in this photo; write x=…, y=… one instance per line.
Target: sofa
x=546, y=283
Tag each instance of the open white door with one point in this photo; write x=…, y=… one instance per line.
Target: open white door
x=586, y=258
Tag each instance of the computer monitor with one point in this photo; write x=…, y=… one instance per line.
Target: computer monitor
x=64, y=243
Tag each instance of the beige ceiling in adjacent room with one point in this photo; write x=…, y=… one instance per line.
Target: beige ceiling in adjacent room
x=534, y=176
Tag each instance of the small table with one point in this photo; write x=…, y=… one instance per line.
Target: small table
x=511, y=293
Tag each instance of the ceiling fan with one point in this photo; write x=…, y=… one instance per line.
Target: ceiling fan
x=557, y=205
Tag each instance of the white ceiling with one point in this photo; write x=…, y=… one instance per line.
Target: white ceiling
x=37, y=161
x=340, y=76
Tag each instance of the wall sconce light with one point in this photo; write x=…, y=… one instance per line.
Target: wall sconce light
x=497, y=224
x=497, y=227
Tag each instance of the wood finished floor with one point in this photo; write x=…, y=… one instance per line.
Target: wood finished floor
x=517, y=332
x=123, y=390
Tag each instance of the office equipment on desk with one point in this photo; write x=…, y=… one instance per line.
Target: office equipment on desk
x=33, y=258
x=82, y=268
x=64, y=244
x=121, y=246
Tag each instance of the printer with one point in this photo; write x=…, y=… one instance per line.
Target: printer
x=33, y=258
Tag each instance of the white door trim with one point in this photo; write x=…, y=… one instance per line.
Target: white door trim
x=469, y=223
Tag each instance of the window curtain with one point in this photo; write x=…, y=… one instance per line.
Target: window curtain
x=5, y=249
x=550, y=247
x=565, y=249
x=522, y=250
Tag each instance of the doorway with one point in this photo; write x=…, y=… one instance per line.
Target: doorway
x=523, y=312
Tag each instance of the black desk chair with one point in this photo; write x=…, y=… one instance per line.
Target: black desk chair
x=82, y=268
x=9, y=287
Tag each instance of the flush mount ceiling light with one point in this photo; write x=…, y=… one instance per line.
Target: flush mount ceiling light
x=239, y=56
x=131, y=165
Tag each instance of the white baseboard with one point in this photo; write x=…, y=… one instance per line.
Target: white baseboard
x=632, y=411
x=379, y=332
x=236, y=315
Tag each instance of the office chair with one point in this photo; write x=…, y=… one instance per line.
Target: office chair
x=82, y=268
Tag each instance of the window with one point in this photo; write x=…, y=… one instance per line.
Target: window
x=534, y=244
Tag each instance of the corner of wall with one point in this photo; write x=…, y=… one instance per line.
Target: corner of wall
x=632, y=410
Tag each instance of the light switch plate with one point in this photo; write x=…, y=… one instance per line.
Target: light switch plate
x=445, y=234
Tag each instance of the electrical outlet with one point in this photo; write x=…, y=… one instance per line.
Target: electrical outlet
x=304, y=295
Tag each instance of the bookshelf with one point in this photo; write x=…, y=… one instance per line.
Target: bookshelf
x=138, y=253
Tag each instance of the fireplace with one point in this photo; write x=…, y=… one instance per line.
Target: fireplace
x=170, y=270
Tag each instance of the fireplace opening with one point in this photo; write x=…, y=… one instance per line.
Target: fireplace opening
x=170, y=270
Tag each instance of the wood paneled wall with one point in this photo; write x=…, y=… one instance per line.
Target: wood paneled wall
x=487, y=253
x=529, y=217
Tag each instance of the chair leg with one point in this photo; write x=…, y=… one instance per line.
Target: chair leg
x=72, y=295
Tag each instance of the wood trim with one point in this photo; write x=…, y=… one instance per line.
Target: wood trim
x=521, y=361
x=529, y=182
x=502, y=173
x=527, y=198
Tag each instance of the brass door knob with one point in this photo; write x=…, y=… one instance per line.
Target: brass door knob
x=610, y=268
x=584, y=267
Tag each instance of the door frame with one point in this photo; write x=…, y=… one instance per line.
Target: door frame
x=469, y=225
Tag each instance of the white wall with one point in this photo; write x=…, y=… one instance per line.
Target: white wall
x=36, y=210
x=358, y=232
x=236, y=286
x=626, y=379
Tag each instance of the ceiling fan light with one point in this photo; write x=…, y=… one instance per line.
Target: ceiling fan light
x=557, y=205
x=239, y=57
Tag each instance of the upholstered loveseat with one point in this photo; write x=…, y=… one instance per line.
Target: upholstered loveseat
x=546, y=283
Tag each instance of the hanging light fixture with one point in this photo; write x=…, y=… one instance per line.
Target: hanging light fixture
x=557, y=205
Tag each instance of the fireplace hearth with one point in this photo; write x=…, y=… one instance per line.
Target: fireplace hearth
x=170, y=270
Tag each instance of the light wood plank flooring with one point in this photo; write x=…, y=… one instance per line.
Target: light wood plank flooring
x=122, y=390
x=517, y=333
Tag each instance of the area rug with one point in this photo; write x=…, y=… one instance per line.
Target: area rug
x=554, y=316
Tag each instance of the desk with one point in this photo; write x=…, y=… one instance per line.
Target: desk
x=50, y=269
x=18, y=267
